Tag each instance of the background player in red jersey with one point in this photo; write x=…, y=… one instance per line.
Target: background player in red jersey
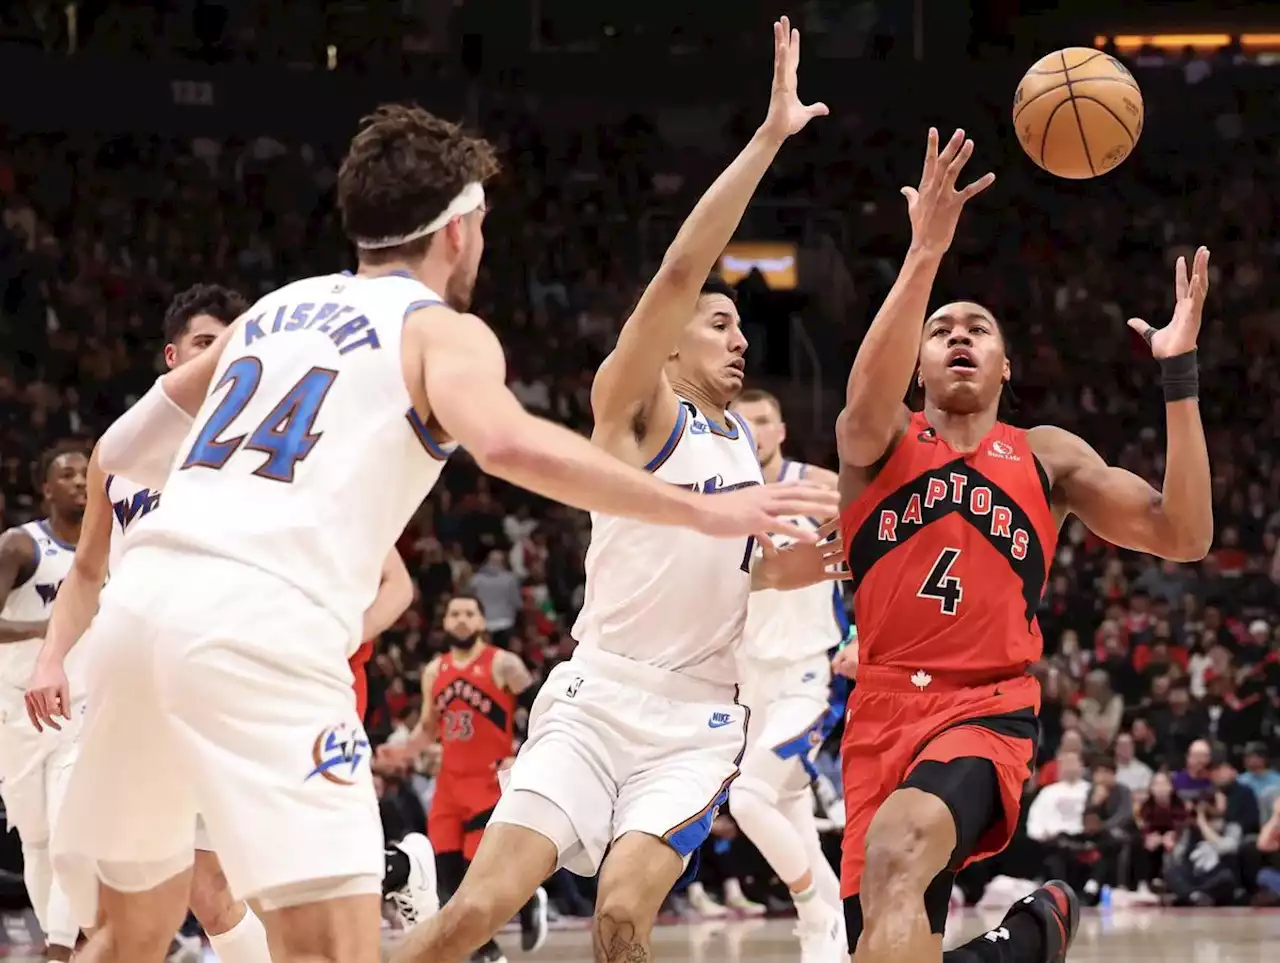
x=469, y=702
x=950, y=519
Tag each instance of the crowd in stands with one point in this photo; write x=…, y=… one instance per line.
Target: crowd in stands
x=1161, y=680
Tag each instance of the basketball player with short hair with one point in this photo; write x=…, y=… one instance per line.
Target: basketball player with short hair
x=304, y=439
x=950, y=520
x=634, y=741
x=786, y=682
x=470, y=697
x=35, y=765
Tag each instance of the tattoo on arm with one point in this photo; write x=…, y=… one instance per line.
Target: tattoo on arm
x=616, y=942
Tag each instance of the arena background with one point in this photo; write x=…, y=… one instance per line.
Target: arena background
x=144, y=147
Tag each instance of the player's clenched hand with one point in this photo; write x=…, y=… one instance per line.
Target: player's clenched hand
x=799, y=564
x=48, y=696
x=934, y=206
x=787, y=115
x=845, y=662
x=765, y=508
x=1179, y=335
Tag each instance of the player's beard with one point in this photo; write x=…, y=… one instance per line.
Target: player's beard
x=463, y=644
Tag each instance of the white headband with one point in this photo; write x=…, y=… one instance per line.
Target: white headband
x=469, y=199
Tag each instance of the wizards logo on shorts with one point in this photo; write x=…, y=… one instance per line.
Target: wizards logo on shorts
x=337, y=752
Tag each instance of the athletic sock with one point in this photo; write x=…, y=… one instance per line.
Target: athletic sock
x=1017, y=940
x=246, y=942
x=809, y=909
x=396, y=872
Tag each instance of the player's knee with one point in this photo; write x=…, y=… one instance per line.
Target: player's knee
x=211, y=900
x=618, y=930
x=749, y=793
x=473, y=910
x=908, y=843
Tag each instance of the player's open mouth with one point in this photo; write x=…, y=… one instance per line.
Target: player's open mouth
x=738, y=365
x=962, y=360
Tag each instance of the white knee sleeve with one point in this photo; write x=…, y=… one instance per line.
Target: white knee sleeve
x=754, y=805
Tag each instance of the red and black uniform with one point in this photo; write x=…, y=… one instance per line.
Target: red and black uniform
x=949, y=553
x=476, y=718
x=360, y=680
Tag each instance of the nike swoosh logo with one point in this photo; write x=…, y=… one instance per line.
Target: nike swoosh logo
x=713, y=724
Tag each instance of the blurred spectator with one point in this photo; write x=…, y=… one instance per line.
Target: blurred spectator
x=498, y=590
x=1202, y=869
x=1240, y=803
x=1131, y=772
x=1193, y=781
x=1058, y=809
x=1260, y=777
x=1101, y=710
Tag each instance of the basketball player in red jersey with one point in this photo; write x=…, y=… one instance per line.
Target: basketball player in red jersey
x=950, y=519
x=469, y=701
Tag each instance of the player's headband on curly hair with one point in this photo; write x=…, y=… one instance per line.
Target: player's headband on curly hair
x=470, y=198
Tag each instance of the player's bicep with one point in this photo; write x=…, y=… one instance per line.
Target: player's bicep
x=17, y=560
x=1114, y=504
x=515, y=675
x=94, y=548
x=465, y=374
x=631, y=378
x=862, y=443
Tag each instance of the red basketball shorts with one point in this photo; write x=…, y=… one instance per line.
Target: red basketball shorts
x=898, y=719
x=460, y=810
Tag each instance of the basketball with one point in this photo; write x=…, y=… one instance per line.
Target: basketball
x=1078, y=112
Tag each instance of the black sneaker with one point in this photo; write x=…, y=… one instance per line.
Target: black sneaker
x=533, y=922
x=1057, y=908
x=489, y=953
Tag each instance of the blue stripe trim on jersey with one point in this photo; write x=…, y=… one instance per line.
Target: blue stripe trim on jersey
x=677, y=432
x=723, y=431
x=438, y=451
x=419, y=305
x=107, y=486
x=44, y=526
x=782, y=472
x=803, y=468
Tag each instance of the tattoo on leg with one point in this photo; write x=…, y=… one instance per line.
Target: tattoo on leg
x=615, y=941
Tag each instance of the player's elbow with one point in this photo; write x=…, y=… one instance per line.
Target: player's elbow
x=1191, y=548
x=503, y=454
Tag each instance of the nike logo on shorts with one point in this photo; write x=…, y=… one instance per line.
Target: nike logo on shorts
x=719, y=720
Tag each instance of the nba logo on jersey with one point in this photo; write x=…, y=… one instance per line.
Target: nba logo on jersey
x=337, y=753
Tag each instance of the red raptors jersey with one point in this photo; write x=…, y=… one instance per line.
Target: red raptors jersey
x=949, y=554
x=476, y=714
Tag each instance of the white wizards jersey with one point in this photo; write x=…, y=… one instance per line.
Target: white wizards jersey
x=789, y=626
x=32, y=601
x=130, y=504
x=307, y=459
x=672, y=597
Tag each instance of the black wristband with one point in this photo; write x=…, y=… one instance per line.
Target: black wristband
x=1180, y=376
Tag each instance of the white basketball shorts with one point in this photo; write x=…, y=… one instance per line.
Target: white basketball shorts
x=221, y=691
x=790, y=718
x=622, y=747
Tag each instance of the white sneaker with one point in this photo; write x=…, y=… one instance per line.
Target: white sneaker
x=702, y=903
x=417, y=900
x=823, y=941
x=735, y=899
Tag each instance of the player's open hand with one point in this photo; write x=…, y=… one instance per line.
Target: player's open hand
x=48, y=696
x=787, y=115
x=934, y=206
x=764, y=508
x=1179, y=335
x=800, y=563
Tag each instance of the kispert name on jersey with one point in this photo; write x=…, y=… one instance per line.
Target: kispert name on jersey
x=949, y=553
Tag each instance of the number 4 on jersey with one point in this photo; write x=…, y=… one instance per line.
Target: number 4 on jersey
x=940, y=584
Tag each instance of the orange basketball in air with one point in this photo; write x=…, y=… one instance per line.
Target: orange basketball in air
x=1078, y=112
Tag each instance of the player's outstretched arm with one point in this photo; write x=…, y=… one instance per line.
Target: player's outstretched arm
x=395, y=595
x=465, y=379
x=48, y=695
x=874, y=414
x=631, y=381
x=17, y=564
x=143, y=442
x=1176, y=522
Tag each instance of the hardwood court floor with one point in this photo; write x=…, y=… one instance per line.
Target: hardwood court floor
x=1118, y=936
